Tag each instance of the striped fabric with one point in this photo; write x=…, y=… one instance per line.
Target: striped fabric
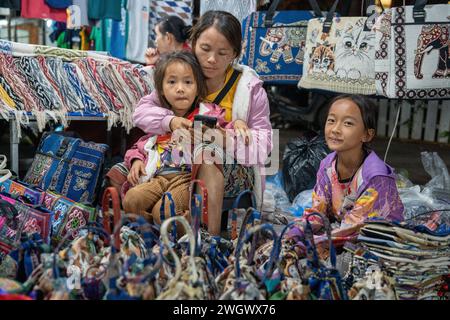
x=161, y=9
x=52, y=83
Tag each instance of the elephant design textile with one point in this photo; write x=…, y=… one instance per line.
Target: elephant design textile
x=433, y=37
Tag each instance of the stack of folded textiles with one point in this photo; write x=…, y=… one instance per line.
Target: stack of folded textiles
x=417, y=255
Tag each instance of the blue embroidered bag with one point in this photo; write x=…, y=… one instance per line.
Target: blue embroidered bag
x=274, y=43
x=68, y=166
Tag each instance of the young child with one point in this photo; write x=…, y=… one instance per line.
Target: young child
x=153, y=166
x=179, y=84
x=353, y=183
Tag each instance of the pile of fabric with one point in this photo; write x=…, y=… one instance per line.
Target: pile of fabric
x=51, y=83
x=415, y=254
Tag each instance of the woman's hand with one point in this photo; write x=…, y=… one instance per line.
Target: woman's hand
x=151, y=56
x=137, y=170
x=242, y=130
x=180, y=123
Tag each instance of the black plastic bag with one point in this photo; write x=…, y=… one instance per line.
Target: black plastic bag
x=301, y=161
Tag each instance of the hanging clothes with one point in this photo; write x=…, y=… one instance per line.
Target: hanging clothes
x=77, y=14
x=38, y=9
x=104, y=9
x=119, y=33
x=11, y=4
x=138, y=22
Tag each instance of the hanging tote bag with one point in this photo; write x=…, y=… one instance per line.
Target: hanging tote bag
x=273, y=43
x=412, y=57
x=339, y=55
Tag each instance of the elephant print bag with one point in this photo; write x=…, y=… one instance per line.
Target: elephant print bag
x=274, y=42
x=412, y=52
x=339, y=55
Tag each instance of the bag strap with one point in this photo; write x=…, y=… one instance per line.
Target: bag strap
x=166, y=241
x=419, y=13
x=273, y=255
x=162, y=216
x=310, y=237
x=112, y=195
x=235, y=207
x=227, y=87
x=268, y=20
x=5, y=174
x=204, y=202
x=329, y=19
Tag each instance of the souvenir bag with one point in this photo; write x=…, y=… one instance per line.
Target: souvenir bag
x=249, y=282
x=86, y=257
x=191, y=280
x=412, y=59
x=68, y=217
x=294, y=280
x=238, y=8
x=234, y=211
x=225, y=281
x=214, y=249
x=68, y=166
x=274, y=42
x=132, y=270
x=25, y=219
x=339, y=55
x=30, y=194
x=325, y=282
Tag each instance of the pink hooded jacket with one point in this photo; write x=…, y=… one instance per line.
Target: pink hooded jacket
x=250, y=105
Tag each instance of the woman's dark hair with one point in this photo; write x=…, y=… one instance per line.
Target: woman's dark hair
x=366, y=106
x=227, y=24
x=187, y=58
x=176, y=26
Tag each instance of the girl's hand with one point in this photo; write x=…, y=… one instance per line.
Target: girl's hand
x=180, y=123
x=137, y=170
x=151, y=56
x=242, y=130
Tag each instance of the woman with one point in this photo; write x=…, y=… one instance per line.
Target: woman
x=171, y=35
x=216, y=42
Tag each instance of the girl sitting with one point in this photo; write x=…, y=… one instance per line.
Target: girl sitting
x=154, y=167
x=353, y=183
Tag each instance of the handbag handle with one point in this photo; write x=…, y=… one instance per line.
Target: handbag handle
x=195, y=205
x=419, y=13
x=235, y=207
x=162, y=215
x=275, y=248
x=310, y=237
x=93, y=227
x=329, y=18
x=166, y=241
x=268, y=20
x=204, y=201
x=112, y=195
x=5, y=174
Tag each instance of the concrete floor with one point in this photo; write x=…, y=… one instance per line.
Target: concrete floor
x=403, y=156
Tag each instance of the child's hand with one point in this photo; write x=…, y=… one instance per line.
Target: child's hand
x=151, y=56
x=137, y=170
x=180, y=123
x=242, y=130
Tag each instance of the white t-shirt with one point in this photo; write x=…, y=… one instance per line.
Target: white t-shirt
x=78, y=14
x=138, y=21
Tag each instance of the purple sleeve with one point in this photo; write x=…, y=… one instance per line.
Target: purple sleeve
x=380, y=200
x=150, y=117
